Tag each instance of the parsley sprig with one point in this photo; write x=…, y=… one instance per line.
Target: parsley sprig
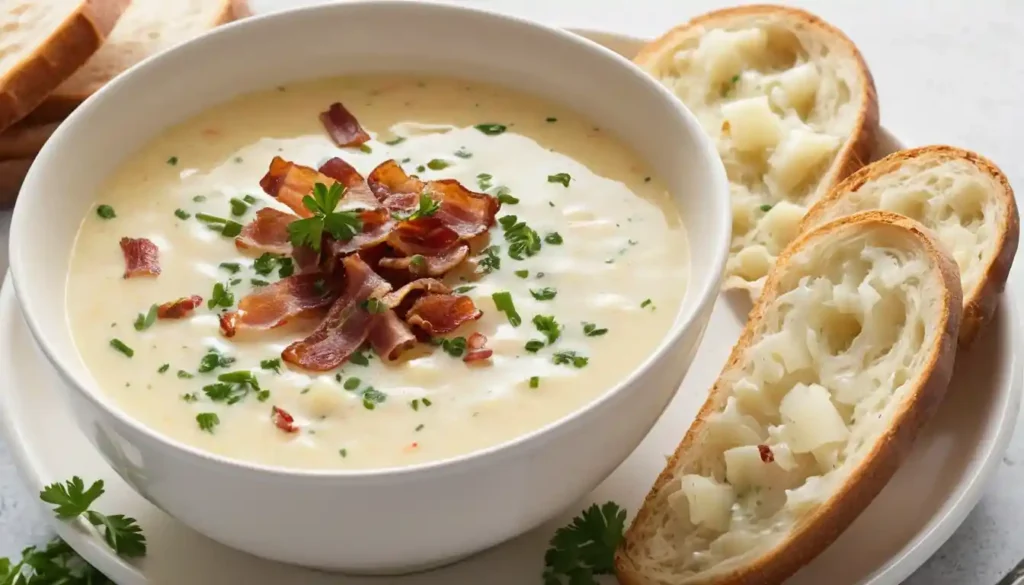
x=342, y=225
x=57, y=563
x=425, y=207
x=523, y=240
x=585, y=547
x=72, y=499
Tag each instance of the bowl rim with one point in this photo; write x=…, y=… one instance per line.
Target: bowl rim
x=705, y=293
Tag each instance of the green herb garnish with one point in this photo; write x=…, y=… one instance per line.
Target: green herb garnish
x=438, y=164
x=454, y=347
x=553, y=238
x=238, y=207
x=145, y=320
x=359, y=358
x=373, y=397
x=418, y=261
x=163, y=368
x=543, y=294
x=374, y=306
x=258, y=282
x=483, y=181
x=534, y=381
x=250, y=199
x=395, y=141
x=504, y=195
x=271, y=364
x=562, y=178
x=221, y=297
x=426, y=207
x=463, y=153
x=491, y=261
x=231, y=267
x=365, y=148
x=182, y=214
x=207, y=421
x=647, y=303
x=182, y=374
x=71, y=499
x=503, y=302
x=766, y=207
x=352, y=383
x=342, y=225
x=121, y=347
x=523, y=240
x=461, y=290
x=547, y=325
x=569, y=357
x=106, y=212
x=190, y=397
x=534, y=345
x=172, y=161
x=586, y=547
x=592, y=330
x=213, y=360
x=491, y=129
x=199, y=198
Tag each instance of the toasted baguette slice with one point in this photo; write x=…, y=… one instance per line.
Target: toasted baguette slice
x=963, y=197
x=43, y=42
x=146, y=28
x=791, y=105
x=846, y=355
x=12, y=174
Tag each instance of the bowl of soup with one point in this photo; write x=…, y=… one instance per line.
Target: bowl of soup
x=367, y=305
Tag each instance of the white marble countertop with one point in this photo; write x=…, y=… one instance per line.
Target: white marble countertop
x=946, y=72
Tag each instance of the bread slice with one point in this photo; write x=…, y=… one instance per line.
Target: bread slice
x=791, y=105
x=846, y=355
x=43, y=42
x=146, y=28
x=25, y=140
x=961, y=196
x=12, y=174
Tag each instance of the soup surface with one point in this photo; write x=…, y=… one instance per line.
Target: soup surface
x=593, y=300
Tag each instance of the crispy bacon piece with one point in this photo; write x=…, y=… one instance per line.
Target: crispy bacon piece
x=141, y=257
x=342, y=126
x=283, y=420
x=347, y=324
x=427, y=236
x=766, y=453
x=428, y=265
x=357, y=192
x=267, y=232
x=389, y=179
x=423, y=285
x=475, y=348
x=390, y=336
x=465, y=212
x=437, y=314
x=289, y=183
x=274, y=305
x=179, y=308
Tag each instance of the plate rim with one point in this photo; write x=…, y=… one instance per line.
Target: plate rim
x=946, y=519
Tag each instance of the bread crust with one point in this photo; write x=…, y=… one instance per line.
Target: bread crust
x=60, y=103
x=817, y=531
x=12, y=174
x=71, y=44
x=25, y=140
x=979, y=305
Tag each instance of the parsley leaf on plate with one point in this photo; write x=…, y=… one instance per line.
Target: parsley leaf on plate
x=586, y=546
x=71, y=499
x=56, y=563
x=121, y=533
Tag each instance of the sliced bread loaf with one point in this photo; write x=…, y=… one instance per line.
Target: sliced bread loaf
x=961, y=196
x=42, y=42
x=846, y=355
x=791, y=105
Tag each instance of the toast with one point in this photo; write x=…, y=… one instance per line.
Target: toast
x=147, y=27
x=45, y=42
x=846, y=355
x=961, y=196
x=791, y=106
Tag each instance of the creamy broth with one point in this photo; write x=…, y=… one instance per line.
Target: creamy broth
x=622, y=266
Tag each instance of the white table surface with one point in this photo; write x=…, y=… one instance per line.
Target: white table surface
x=947, y=71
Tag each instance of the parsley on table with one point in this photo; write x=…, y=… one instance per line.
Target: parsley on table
x=145, y=320
x=586, y=546
x=122, y=347
x=221, y=297
x=562, y=178
x=503, y=302
x=543, y=294
x=57, y=563
x=213, y=360
x=523, y=240
x=554, y=238
x=72, y=499
x=342, y=225
x=548, y=326
x=426, y=207
x=592, y=330
x=207, y=421
x=271, y=364
x=491, y=261
x=569, y=357
x=491, y=129
x=106, y=212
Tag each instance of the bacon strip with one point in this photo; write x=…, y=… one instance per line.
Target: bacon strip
x=267, y=232
x=141, y=257
x=283, y=420
x=476, y=350
x=289, y=183
x=347, y=324
x=357, y=193
x=342, y=126
x=388, y=179
x=179, y=308
x=274, y=305
x=437, y=314
x=425, y=285
x=390, y=336
x=429, y=265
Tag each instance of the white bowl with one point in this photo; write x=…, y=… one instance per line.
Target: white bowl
x=391, y=520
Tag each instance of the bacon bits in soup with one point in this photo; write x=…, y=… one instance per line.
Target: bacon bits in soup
x=373, y=272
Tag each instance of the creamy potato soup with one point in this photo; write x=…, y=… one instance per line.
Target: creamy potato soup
x=575, y=291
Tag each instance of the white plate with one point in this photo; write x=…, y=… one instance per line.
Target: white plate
x=924, y=503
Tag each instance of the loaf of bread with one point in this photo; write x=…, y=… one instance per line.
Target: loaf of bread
x=961, y=196
x=43, y=42
x=846, y=355
x=791, y=106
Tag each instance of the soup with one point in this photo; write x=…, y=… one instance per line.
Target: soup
x=525, y=319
